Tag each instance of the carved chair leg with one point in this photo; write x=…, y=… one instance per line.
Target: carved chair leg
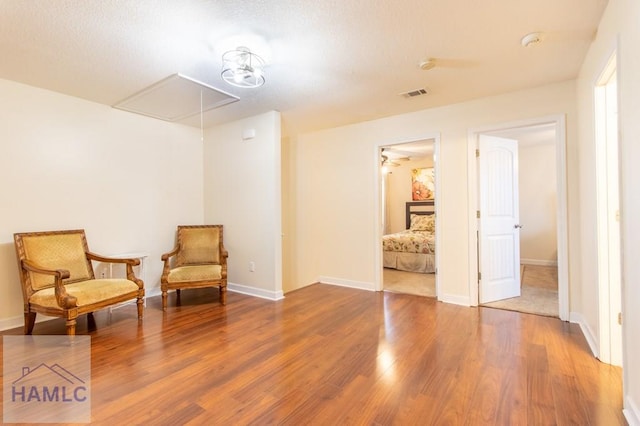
x=140, y=303
x=164, y=300
x=71, y=327
x=29, y=322
x=223, y=295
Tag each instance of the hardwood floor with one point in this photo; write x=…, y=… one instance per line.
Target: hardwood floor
x=328, y=355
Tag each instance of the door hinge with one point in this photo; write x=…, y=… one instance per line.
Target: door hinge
x=477, y=153
x=478, y=214
x=620, y=318
x=479, y=276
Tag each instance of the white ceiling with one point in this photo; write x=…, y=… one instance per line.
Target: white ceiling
x=330, y=62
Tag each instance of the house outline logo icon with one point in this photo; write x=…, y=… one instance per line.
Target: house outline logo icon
x=46, y=383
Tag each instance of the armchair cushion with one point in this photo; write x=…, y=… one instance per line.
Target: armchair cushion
x=195, y=273
x=87, y=292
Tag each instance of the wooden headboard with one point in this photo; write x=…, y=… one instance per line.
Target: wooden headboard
x=418, y=207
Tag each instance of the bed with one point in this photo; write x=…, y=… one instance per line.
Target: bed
x=413, y=249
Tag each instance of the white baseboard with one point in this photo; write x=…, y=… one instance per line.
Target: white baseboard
x=578, y=318
x=18, y=322
x=454, y=299
x=362, y=285
x=631, y=412
x=9, y=323
x=538, y=262
x=256, y=292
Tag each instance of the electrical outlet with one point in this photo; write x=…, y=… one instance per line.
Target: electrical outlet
x=252, y=266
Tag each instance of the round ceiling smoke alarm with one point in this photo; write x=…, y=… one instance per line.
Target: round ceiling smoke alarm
x=427, y=64
x=531, y=39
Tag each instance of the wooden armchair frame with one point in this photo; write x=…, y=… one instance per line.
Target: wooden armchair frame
x=178, y=264
x=66, y=304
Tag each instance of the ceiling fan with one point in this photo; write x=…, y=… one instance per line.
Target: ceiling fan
x=391, y=162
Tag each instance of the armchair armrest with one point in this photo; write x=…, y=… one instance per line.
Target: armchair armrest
x=105, y=259
x=172, y=253
x=63, y=299
x=32, y=267
x=167, y=266
x=130, y=262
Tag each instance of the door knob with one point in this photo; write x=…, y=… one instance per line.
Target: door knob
x=517, y=225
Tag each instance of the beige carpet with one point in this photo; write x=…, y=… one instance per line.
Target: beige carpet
x=409, y=282
x=539, y=292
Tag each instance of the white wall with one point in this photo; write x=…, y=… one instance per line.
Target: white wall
x=66, y=163
x=618, y=27
x=242, y=191
x=537, y=190
x=337, y=186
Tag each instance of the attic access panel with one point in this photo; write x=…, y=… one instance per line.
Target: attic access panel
x=175, y=98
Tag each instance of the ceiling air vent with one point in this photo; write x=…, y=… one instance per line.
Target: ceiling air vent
x=414, y=93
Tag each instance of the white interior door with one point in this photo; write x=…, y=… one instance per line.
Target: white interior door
x=499, y=228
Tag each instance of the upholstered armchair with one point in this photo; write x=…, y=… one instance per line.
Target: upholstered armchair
x=58, y=279
x=198, y=260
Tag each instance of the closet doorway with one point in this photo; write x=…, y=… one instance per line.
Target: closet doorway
x=540, y=216
x=408, y=204
x=535, y=226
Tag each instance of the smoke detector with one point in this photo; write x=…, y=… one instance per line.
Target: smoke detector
x=427, y=64
x=531, y=39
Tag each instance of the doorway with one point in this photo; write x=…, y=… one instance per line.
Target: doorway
x=403, y=269
x=550, y=128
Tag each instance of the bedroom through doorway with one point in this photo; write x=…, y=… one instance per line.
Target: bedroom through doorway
x=408, y=193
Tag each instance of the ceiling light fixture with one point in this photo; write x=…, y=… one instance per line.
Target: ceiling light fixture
x=242, y=68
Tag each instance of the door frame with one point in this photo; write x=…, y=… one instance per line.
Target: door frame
x=559, y=122
x=378, y=202
x=609, y=349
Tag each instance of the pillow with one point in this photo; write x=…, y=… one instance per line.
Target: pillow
x=421, y=222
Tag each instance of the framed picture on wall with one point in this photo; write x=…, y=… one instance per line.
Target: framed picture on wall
x=422, y=184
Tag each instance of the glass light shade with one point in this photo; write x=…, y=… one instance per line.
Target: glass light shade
x=241, y=68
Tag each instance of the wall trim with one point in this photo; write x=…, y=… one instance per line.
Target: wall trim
x=455, y=299
x=255, y=292
x=589, y=335
x=631, y=412
x=18, y=321
x=362, y=285
x=13, y=322
x=538, y=262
